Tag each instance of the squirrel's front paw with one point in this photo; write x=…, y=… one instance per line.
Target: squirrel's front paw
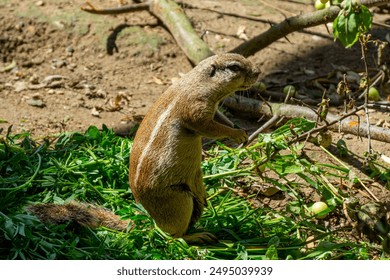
x=240, y=136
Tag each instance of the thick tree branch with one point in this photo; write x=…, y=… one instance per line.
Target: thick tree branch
x=175, y=20
x=346, y=124
x=293, y=24
x=196, y=49
x=286, y=27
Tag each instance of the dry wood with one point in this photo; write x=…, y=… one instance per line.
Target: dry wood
x=293, y=24
x=174, y=19
x=347, y=123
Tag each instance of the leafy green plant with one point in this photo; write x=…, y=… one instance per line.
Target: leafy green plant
x=93, y=167
x=353, y=20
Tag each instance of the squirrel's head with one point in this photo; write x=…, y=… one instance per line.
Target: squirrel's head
x=229, y=72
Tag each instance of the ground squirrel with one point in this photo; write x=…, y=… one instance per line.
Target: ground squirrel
x=165, y=174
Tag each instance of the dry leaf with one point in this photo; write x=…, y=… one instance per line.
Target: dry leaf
x=241, y=33
x=157, y=81
x=95, y=112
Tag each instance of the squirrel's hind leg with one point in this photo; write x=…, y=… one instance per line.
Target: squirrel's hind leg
x=174, y=209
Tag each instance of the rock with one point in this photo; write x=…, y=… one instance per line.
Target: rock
x=59, y=24
x=36, y=101
x=20, y=86
x=20, y=26
x=58, y=63
x=72, y=66
x=69, y=51
x=101, y=93
x=34, y=79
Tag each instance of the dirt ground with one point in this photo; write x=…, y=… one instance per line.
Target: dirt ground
x=73, y=69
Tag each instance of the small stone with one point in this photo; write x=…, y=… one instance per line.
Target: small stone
x=20, y=26
x=58, y=63
x=20, y=86
x=37, y=60
x=101, y=93
x=34, y=79
x=36, y=101
x=40, y=3
x=72, y=66
x=58, y=24
x=69, y=51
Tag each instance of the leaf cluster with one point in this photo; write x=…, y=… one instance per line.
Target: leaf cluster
x=353, y=20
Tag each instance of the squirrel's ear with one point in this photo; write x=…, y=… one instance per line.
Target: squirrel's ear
x=213, y=69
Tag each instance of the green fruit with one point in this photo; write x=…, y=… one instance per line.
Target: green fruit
x=319, y=207
x=324, y=1
x=319, y=5
x=260, y=86
x=289, y=89
x=373, y=94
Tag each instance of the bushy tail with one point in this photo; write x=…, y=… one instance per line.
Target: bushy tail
x=82, y=213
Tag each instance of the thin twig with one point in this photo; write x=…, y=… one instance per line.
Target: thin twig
x=325, y=126
x=89, y=8
x=270, y=122
x=363, y=39
x=379, y=77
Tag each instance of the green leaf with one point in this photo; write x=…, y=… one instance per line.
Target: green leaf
x=94, y=133
x=353, y=21
x=272, y=253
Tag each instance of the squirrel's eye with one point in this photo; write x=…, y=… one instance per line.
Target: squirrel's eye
x=234, y=67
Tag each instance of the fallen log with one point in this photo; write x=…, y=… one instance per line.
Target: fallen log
x=348, y=123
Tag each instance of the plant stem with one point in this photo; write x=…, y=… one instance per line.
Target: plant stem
x=363, y=39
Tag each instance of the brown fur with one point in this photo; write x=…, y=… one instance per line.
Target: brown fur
x=165, y=175
x=82, y=213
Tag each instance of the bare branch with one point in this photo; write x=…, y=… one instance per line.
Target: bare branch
x=293, y=24
x=89, y=8
x=344, y=123
x=196, y=49
x=175, y=20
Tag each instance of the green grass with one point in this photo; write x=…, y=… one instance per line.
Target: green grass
x=93, y=167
